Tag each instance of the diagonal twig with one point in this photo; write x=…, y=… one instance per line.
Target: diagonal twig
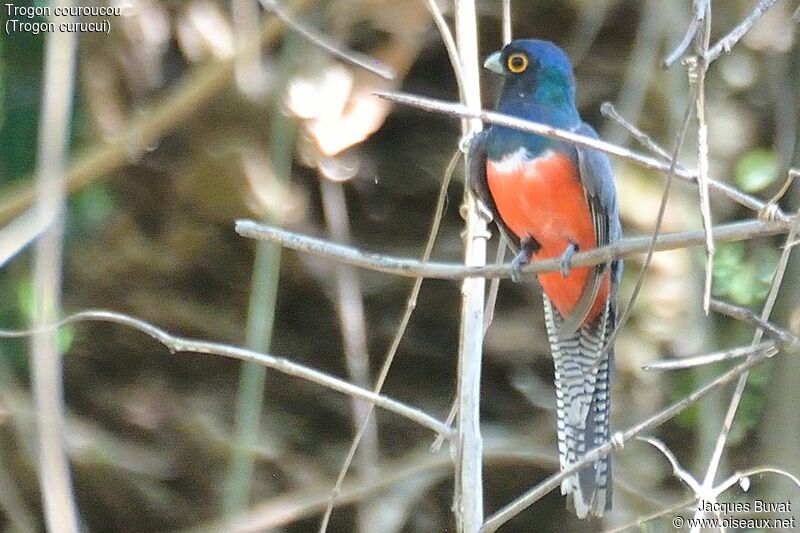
x=388, y=359
x=617, y=442
x=326, y=43
x=491, y=117
x=733, y=406
x=691, y=32
x=740, y=313
x=177, y=344
x=727, y=43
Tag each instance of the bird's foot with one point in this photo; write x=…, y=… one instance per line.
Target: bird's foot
x=528, y=246
x=566, y=258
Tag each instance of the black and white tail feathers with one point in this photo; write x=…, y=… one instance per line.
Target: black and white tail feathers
x=583, y=404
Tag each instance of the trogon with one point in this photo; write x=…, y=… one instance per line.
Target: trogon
x=550, y=199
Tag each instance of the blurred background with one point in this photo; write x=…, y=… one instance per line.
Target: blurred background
x=181, y=127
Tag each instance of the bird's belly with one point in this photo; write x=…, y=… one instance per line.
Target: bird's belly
x=544, y=198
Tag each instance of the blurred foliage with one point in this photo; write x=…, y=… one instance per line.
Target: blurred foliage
x=756, y=170
x=150, y=434
x=744, y=276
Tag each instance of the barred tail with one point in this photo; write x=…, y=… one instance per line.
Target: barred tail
x=583, y=405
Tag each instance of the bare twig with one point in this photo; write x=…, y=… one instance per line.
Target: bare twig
x=55, y=479
x=677, y=469
x=617, y=441
x=785, y=338
x=715, y=357
x=725, y=44
x=491, y=117
x=449, y=42
x=388, y=359
x=662, y=209
x=691, y=32
x=663, y=512
x=352, y=321
x=326, y=43
x=738, y=477
x=713, y=465
x=736, y=231
x=696, y=67
x=468, y=499
x=176, y=344
x=20, y=232
x=507, y=30
x=608, y=110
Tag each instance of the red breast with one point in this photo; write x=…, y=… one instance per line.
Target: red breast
x=544, y=198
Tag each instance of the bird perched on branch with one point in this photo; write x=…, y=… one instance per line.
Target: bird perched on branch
x=551, y=199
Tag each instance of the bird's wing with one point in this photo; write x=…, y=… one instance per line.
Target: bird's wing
x=597, y=178
x=477, y=157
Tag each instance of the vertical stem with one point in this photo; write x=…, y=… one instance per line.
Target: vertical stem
x=353, y=324
x=260, y=322
x=469, y=482
x=55, y=480
x=701, y=66
x=506, y=22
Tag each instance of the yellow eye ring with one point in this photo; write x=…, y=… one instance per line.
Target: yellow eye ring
x=517, y=63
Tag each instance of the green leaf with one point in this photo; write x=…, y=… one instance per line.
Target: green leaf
x=756, y=170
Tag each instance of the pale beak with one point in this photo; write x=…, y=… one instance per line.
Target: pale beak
x=493, y=63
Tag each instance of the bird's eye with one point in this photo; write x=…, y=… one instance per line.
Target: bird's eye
x=517, y=63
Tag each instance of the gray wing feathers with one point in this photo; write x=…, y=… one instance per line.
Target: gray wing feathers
x=598, y=180
x=583, y=401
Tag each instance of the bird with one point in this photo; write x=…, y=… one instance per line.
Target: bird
x=550, y=199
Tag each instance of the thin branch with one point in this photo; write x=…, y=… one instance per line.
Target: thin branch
x=700, y=9
x=608, y=110
x=662, y=209
x=715, y=357
x=785, y=338
x=663, y=512
x=468, y=499
x=738, y=477
x=736, y=231
x=491, y=117
x=617, y=441
x=727, y=43
x=677, y=469
x=413, y=468
x=691, y=31
x=449, y=42
x=353, y=324
x=507, y=30
x=176, y=344
x=733, y=406
x=696, y=67
x=20, y=232
x=55, y=479
x=326, y=43
x=388, y=359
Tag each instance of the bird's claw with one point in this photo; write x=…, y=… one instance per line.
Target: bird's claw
x=566, y=258
x=528, y=246
x=519, y=261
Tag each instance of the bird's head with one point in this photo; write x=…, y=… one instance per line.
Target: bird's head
x=539, y=81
